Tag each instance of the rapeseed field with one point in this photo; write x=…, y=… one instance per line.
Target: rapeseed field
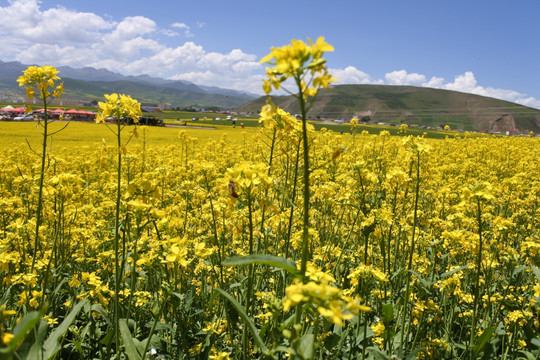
x=267, y=243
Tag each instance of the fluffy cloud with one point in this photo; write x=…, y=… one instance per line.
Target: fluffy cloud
x=251, y=83
x=49, y=54
x=351, y=75
x=467, y=83
x=185, y=28
x=401, y=77
x=23, y=20
x=223, y=63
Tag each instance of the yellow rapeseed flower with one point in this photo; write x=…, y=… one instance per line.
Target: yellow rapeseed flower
x=118, y=106
x=41, y=80
x=291, y=61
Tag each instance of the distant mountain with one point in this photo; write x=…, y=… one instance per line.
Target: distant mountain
x=87, y=84
x=418, y=106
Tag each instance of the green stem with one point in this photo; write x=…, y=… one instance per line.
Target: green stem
x=293, y=199
x=477, y=282
x=250, y=274
x=116, y=235
x=411, y=252
x=263, y=210
x=305, y=225
x=152, y=330
x=41, y=179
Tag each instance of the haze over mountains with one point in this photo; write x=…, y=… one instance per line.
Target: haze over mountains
x=86, y=84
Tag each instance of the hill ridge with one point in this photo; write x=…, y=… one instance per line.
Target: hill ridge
x=417, y=106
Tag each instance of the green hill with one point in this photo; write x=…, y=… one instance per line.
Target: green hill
x=416, y=106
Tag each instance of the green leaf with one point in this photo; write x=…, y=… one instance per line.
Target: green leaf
x=129, y=344
x=249, y=324
x=412, y=355
x=275, y=261
x=376, y=354
x=36, y=350
x=518, y=270
x=21, y=330
x=388, y=313
x=426, y=284
x=448, y=273
x=528, y=355
x=536, y=272
x=306, y=346
x=104, y=314
x=483, y=340
x=53, y=343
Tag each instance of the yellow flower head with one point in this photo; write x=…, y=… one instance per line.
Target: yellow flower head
x=327, y=300
x=248, y=176
x=296, y=60
x=272, y=117
x=43, y=79
x=119, y=106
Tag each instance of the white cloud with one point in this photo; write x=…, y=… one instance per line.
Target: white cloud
x=168, y=61
x=252, y=83
x=184, y=27
x=401, y=77
x=223, y=62
x=435, y=82
x=49, y=54
x=529, y=101
x=127, y=40
x=351, y=75
x=467, y=83
x=24, y=21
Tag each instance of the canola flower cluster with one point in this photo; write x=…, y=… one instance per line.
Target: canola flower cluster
x=180, y=222
x=41, y=79
x=118, y=106
x=299, y=61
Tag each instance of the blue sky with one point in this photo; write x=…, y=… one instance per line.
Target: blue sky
x=490, y=48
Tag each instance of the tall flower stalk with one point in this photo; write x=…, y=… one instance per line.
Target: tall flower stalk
x=479, y=192
x=305, y=65
x=118, y=108
x=40, y=82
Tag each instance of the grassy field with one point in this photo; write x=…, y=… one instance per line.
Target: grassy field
x=16, y=133
x=174, y=117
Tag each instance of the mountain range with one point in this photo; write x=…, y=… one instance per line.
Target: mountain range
x=415, y=106
x=87, y=84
